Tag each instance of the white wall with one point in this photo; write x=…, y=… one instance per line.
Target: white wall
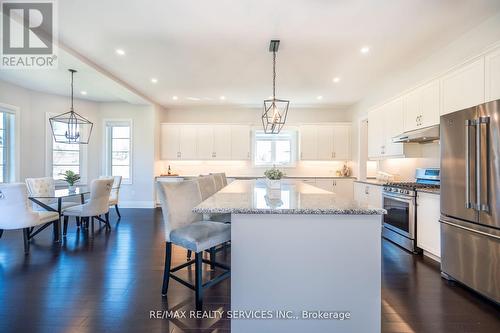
x=140, y=193
x=474, y=42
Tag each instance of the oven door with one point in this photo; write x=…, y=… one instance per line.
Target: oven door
x=400, y=215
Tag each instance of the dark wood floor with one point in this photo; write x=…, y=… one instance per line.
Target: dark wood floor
x=110, y=283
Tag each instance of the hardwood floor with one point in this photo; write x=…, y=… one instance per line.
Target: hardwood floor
x=111, y=282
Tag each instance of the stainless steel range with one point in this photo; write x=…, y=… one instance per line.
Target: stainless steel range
x=399, y=199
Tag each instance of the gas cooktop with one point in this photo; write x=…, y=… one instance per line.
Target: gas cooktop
x=411, y=185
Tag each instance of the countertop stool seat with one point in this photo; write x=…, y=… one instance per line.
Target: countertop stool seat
x=189, y=231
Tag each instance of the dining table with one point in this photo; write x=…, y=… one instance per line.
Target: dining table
x=58, y=196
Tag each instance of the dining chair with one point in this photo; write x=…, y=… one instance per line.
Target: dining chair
x=45, y=187
x=207, y=186
x=115, y=191
x=97, y=205
x=17, y=213
x=188, y=230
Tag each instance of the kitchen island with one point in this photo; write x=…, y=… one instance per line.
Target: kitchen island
x=302, y=259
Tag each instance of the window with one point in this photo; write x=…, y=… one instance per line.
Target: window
x=275, y=149
x=118, y=149
x=64, y=156
x=6, y=147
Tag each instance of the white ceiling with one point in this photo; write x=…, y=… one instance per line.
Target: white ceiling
x=206, y=49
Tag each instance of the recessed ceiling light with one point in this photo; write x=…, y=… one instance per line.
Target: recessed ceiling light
x=193, y=98
x=175, y=98
x=336, y=79
x=222, y=98
x=365, y=49
x=83, y=92
x=120, y=52
x=154, y=80
x=319, y=97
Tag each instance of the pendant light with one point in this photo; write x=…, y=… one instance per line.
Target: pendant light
x=275, y=110
x=70, y=127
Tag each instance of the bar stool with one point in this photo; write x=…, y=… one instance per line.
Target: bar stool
x=188, y=230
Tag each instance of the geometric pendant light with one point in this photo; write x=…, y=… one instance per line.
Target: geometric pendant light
x=275, y=110
x=70, y=127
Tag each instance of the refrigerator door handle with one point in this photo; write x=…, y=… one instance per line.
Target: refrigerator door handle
x=470, y=229
x=468, y=203
x=480, y=121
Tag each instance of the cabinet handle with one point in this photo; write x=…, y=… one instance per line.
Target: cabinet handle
x=248, y=155
x=334, y=154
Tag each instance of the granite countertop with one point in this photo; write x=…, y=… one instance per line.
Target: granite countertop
x=430, y=190
x=295, y=197
x=371, y=181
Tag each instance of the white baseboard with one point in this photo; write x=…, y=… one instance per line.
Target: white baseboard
x=432, y=256
x=136, y=204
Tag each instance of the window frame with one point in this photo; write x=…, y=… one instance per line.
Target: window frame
x=12, y=153
x=275, y=137
x=49, y=144
x=108, y=146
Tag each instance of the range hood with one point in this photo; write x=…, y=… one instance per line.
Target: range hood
x=421, y=135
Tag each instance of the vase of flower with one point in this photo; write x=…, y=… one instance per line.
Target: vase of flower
x=273, y=178
x=71, y=178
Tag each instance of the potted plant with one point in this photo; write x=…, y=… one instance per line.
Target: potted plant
x=71, y=178
x=273, y=177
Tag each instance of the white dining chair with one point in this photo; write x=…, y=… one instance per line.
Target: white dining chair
x=45, y=187
x=188, y=230
x=97, y=205
x=115, y=192
x=17, y=213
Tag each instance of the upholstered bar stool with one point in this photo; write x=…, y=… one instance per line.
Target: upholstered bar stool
x=97, y=205
x=220, y=180
x=188, y=230
x=16, y=213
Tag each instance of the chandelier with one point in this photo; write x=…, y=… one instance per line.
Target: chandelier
x=275, y=110
x=70, y=127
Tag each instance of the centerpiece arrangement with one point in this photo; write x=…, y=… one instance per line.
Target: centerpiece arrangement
x=71, y=178
x=273, y=177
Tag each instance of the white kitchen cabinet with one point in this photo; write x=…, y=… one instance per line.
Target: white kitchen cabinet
x=422, y=107
x=428, y=227
x=214, y=142
x=240, y=142
x=222, y=142
x=376, y=136
x=170, y=148
x=205, y=142
x=368, y=194
x=394, y=125
x=463, y=87
x=384, y=123
x=308, y=142
x=344, y=188
x=492, y=75
x=188, y=142
x=325, y=142
x=342, y=142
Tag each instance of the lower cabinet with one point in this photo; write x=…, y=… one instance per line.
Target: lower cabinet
x=428, y=227
x=368, y=194
x=341, y=186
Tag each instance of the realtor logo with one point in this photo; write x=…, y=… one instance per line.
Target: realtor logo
x=28, y=34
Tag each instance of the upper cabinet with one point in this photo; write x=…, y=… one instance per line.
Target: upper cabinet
x=205, y=142
x=463, y=87
x=240, y=142
x=492, y=74
x=325, y=142
x=422, y=107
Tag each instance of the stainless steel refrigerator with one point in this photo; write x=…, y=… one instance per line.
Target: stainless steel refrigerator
x=470, y=198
